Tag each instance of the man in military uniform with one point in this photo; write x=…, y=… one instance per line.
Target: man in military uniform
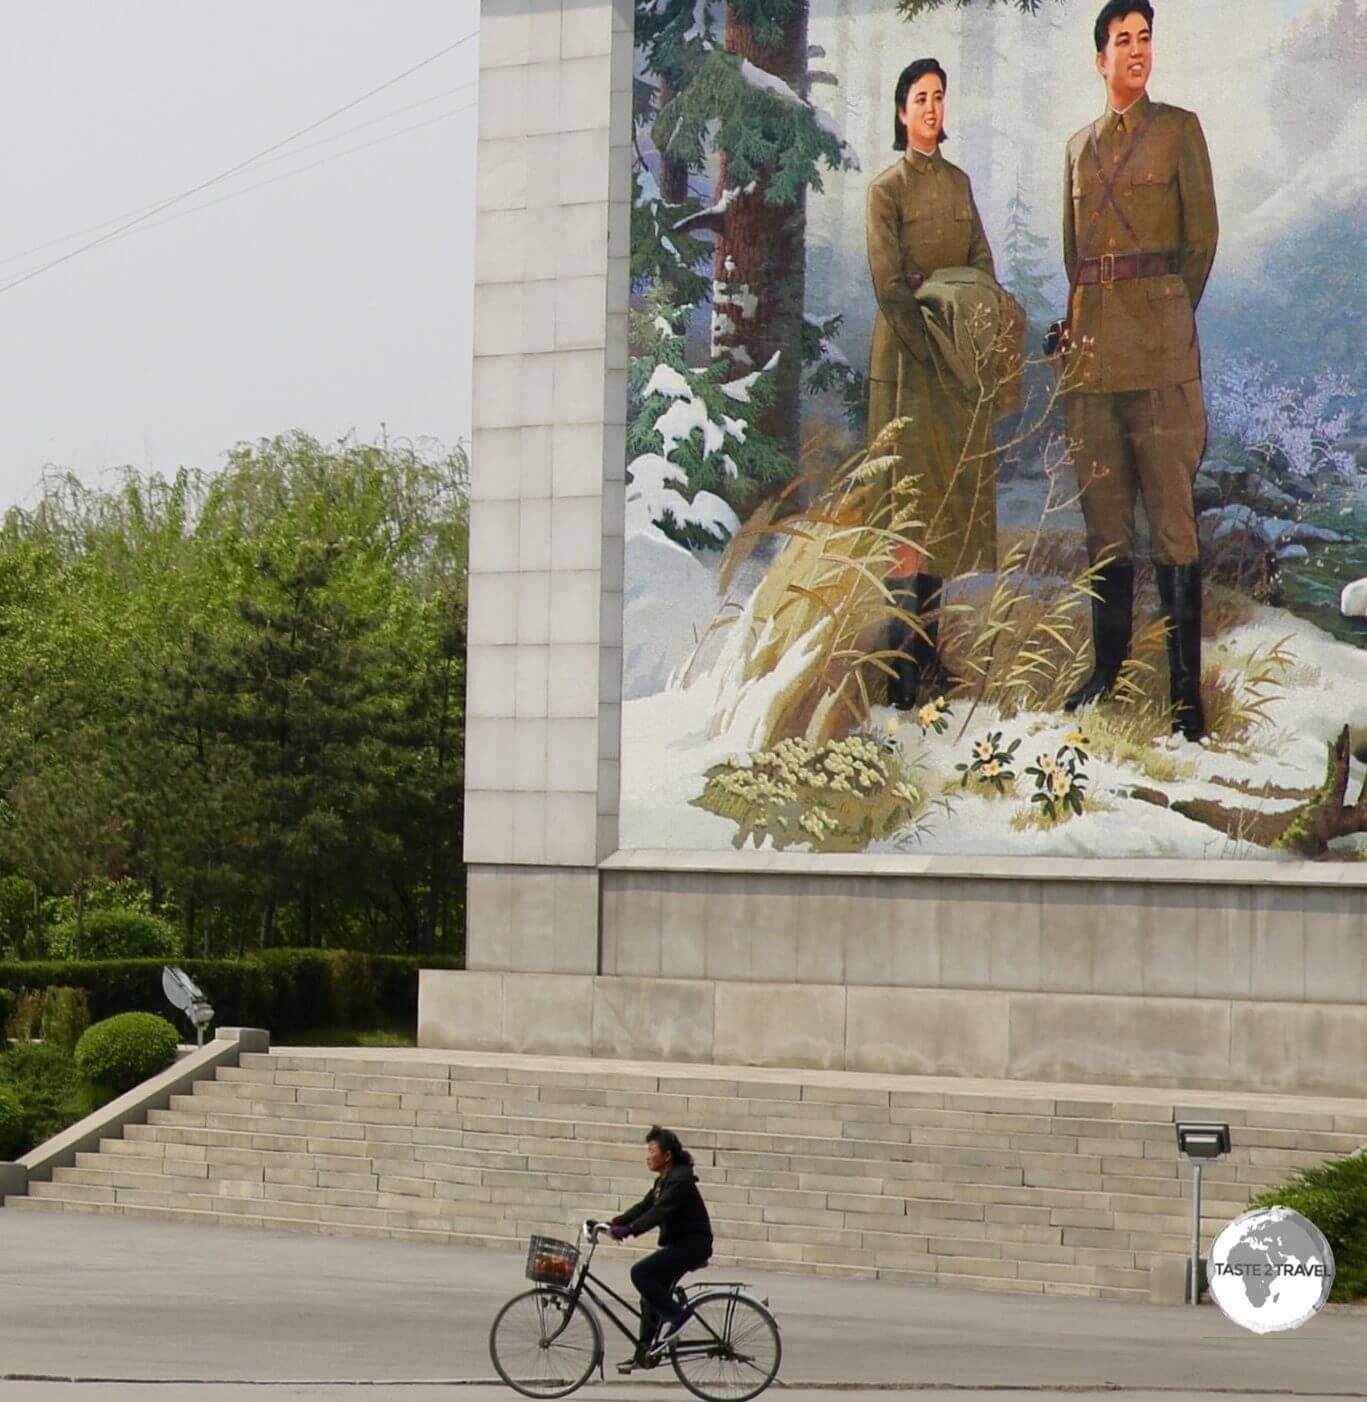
x=1139, y=236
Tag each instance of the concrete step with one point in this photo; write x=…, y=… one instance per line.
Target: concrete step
x=1028, y=1189
x=1029, y=1167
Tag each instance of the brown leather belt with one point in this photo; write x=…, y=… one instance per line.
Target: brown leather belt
x=1124, y=267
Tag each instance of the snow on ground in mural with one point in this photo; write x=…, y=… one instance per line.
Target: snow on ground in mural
x=668, y=747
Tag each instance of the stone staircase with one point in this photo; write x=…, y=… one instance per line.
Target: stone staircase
x=1040, y=1189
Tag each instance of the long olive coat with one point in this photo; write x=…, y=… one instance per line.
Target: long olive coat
x=922, y=218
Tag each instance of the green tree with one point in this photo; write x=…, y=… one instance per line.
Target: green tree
x=240, y=695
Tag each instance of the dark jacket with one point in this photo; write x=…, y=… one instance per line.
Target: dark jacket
x=675, y=1205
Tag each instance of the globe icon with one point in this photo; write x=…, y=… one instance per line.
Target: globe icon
x=1271, y=1269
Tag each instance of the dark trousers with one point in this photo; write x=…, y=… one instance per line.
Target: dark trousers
x=655, y=1277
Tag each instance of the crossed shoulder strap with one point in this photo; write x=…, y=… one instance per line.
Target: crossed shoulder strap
x=1108, y=184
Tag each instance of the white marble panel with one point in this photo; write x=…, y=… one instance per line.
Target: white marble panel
x=531, y=674
x=494, y=464
x=490, y=679
x=500, y=249
x=498, y=320
x=585, y=93
x=581, y=239
x=528, y=839
x=489, y=750
x=575, y=593
x=577, y=461
x=581, y=313
x=533, y=607
x=501, y=175
x=493, y=536
x=533, y=533
x=488, y=826
x=586, y=31
x=581, y=151
x=573, y=681
x=503, y=107
x=493, y=607
x=534, y=476
x=505, y=29
x=537, y=390
x=570, y=831
x=535, y=331
x=545, y=174
x=528, y=767
x=497, y=391
x=571, y=755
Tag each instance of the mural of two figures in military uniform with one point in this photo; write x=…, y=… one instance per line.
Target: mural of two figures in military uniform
x=995, y=451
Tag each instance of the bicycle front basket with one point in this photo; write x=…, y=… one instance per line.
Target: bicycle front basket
x=551, y=1262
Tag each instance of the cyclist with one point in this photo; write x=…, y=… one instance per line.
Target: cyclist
x=675, y=1206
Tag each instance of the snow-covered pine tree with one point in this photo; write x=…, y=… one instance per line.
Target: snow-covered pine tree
x=670, y=37
x=828, y=369
x=1022, y=249
x=693, y=439
x=746, y=105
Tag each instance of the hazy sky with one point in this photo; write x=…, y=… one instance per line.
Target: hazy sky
x=336, y=299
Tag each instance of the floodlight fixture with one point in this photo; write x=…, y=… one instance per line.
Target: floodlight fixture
x=184, y=994
x=1199, y=1141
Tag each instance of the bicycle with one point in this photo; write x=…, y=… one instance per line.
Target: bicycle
x=547, y=1341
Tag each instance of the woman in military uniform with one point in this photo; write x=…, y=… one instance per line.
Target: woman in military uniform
x=921, y=219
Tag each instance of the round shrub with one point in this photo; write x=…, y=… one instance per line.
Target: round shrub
x=116, y=934
x=125, y=1049
x=13, y=1130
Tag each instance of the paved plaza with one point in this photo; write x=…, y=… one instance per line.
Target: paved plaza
x=124, y=1310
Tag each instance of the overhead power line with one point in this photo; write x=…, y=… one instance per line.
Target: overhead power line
x=242, y=165
x=155, y=205
x=289, y=174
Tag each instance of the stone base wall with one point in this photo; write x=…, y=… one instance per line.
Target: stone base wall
x=1191, y=1043
x=1220, y=986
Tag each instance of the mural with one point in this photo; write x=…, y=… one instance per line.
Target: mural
x=995, y=446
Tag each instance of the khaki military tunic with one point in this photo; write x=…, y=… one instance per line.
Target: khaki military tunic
x=1137, y=415
x=922, y=218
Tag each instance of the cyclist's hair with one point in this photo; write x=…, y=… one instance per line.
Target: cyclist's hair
x=670, y=1143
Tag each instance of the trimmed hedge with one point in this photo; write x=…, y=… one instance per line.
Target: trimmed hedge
x=124, y=1050
x=286, y=991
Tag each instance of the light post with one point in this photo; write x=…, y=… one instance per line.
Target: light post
x=1199, y=1140
x=184, y=993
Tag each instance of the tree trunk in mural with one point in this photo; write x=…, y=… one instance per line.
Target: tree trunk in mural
x=760, y=267
x=673, y=171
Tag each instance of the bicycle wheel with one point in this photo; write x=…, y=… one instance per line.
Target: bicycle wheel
x=729, y=1350
x=544, y=1344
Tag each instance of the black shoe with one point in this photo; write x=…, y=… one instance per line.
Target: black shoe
x=1179, y=589
x=1112, y=621
x=917, y=664
x=640, y=1359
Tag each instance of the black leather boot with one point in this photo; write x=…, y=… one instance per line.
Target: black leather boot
x=1179, y=589
x=936, y=680
x=1112, y=621
x=900, y=641
x=917, y=648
